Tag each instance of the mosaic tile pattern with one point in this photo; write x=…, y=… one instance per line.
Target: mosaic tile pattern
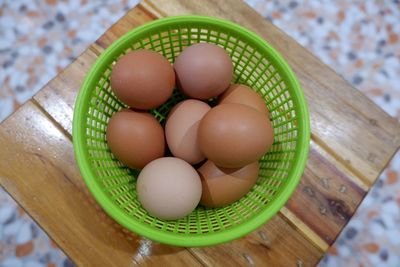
x=22, y=242
x=48, y=35
x=37, y=40
x=359, y=39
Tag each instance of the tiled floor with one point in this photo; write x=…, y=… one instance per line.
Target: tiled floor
x=359, y=39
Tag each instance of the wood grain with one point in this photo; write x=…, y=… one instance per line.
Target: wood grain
x=275, y=244
x=330, y=195
x=50, y=188
x=37, y=168
x=352, y=142
x=58, y=96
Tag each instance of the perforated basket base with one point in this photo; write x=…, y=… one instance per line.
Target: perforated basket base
x=257, y=65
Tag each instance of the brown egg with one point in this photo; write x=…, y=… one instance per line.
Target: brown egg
x=181, y=130
x=143, y=79
x=234, y=135
x=135, y=138
x=203, y=70
x=222, y=186
x=242, y=94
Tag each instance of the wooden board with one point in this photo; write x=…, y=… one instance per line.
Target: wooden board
x=37, y=167
x=352, y=141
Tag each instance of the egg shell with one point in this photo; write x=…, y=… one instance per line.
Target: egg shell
x=169, y=188
x=242, y=94
x=223, y=186
x=135, y=138
x=181, y=130
x=143, y=79
x=203, y=71
x=234, y=135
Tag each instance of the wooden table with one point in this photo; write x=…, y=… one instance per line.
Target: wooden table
x=352, y=141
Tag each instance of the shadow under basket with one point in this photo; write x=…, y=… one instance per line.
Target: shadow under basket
x=257, y=65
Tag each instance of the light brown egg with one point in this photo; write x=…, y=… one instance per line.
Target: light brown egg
x=222, y=186
x=169, y=188
x=135, y=138
x=242, y=94
x=181, y=130
x=234, y=135
x=203, y=70
x=143, y=79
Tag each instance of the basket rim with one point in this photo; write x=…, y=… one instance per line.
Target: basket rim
x=295, y=173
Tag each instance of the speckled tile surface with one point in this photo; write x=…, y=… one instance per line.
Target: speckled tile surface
x=359, y=39
x=37, y=40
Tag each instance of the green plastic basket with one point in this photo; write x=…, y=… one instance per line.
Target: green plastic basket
x=257, y=65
